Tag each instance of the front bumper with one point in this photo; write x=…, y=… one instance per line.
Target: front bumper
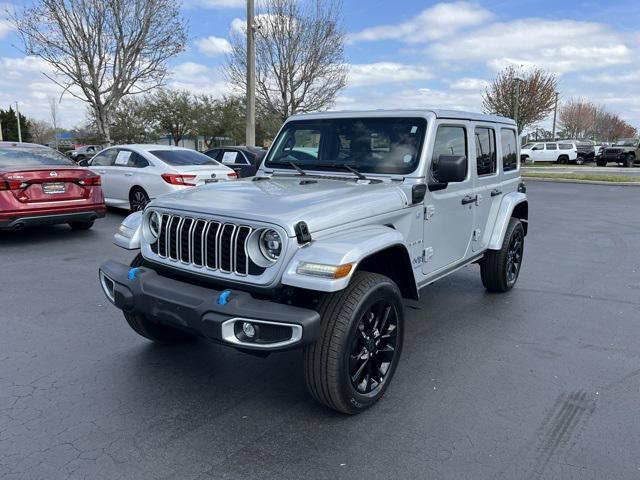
x=200, y=310
x=18, y=219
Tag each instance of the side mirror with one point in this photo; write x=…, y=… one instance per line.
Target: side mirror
x=129, y=232
x=450, y=168
x=84, y=162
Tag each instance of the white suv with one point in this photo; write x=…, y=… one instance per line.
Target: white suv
x=350, y=213
x=562, y=151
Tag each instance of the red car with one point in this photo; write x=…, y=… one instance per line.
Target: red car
x=39, y=185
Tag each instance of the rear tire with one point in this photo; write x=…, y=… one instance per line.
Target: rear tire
x=351, y=365
x=562, y=159
x=154, y=331
x=629, y=160
x=499, y=269
x=138, y=199
x=81, y=225
x=601, y=163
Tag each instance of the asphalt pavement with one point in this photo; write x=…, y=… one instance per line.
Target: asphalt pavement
x=539, y=383
x=591, y=169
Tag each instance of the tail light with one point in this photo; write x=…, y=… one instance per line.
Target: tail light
x=93, y=180
x=12, y=184
x=232, y=175
x=175, y=179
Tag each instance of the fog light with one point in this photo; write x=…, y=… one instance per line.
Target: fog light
x=249, y=330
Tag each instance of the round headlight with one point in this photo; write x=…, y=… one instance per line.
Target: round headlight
x=270, y=244
x=154, y=224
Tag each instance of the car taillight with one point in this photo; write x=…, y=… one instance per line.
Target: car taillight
x=232, y=175
x=12, y=184
x=90, y=181
x=175, y=179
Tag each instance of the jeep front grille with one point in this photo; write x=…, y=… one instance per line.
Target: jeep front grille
x=204, y=243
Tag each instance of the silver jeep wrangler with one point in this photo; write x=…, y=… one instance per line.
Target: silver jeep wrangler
x=349, y=214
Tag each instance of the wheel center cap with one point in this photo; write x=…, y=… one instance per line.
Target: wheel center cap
x=371, y=344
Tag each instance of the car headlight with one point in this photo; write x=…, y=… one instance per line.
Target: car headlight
x=154, y=224
x=270, y=243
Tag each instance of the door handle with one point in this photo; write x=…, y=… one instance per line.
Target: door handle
x=496, y=192
x=102, y=171
x=128, y=174
x=467, y=199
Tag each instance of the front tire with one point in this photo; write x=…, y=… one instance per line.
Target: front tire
x=154, y=331
x=351, y=365
x=629, y=160
x=601, y=163
x=500, y=269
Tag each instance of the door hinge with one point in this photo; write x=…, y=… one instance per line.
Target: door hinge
x=429, y=211
x=476, y=234
x=427, y=253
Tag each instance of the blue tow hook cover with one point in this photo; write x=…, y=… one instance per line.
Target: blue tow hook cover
x=132, y=273
x=224, y=297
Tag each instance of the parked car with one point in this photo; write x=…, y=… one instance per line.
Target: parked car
x=350, y=213
x=83, y=153
x=625, y=152
x=243, y=160
x=561, y=151
x=39, y=185
x=134, y=174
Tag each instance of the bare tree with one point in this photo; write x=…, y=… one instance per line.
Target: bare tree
x=53, y=115
x=300, y=61
x=40, y=130
x=582, y=119
x=536, y=97
x=103, y=50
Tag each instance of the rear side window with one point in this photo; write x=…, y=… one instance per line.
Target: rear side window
x=509, y=150
x=137, y=161
x=18, y=156
x=183, y=157
x=485, y=151
x=551, y=146
x=104, y=159
x=215, y=154
x=565, y=146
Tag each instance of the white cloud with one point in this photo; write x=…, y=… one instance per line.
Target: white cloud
x=561, y=46
x=5, y=28
x=438, y=21
x=217, y=4
x=213, y=46
x=632, y=77
x=386, y=72
x=469, y=84
x=199, y=78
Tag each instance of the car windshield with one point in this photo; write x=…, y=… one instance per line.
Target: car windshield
x=528, y=146
x=183, y=157
x=31, y=156
x=370, y=145
x=625, y=142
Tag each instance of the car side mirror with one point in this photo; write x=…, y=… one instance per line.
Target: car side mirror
x=84, y=162
x=450, y=168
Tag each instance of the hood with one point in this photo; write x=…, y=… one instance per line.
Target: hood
x=285, y=201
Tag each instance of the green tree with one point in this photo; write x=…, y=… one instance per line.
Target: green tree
x=174, y=112
x=133, y=122
x=10, y=126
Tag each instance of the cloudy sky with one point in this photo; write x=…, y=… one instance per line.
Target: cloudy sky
x=405, y=53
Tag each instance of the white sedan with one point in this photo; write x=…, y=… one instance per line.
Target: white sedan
x=134, y=174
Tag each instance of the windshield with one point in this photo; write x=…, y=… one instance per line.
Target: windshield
x=625, y=142
x=370, y=145
x=528, y=146
x=31, y=156
x=183, y=157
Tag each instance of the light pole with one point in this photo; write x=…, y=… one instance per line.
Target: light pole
x=555, y=113
x=251, y=77
x=18, y=118
x=1, y=131
x=517, y=105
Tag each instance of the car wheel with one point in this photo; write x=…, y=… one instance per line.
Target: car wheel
x=138, y=199
x=352, y=363
x=499, y=269
x=628, y=161
x=601, y=163
x=81, y=225
x=150, y=330
x=580, y=160
x=562, y=159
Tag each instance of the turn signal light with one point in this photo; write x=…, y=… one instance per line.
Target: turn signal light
x=232, y=175
x=322, y=270
x=175, y=179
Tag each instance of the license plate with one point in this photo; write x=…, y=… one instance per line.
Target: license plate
x=210, y=180
x=54, y=188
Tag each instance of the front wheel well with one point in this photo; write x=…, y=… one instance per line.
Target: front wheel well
x=393, y=262
x=521, y=212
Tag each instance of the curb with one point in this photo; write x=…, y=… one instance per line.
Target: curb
x=588, y=182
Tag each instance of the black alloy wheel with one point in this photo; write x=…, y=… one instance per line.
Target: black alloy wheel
x=138, y=200
x=514, y=256
x=373, y=347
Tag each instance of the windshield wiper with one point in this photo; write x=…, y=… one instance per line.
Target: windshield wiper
x=345, y=166
x=298, y=169
x=292, y=164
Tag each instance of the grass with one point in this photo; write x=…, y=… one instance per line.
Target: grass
x=583, y=176
x=557, y=165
